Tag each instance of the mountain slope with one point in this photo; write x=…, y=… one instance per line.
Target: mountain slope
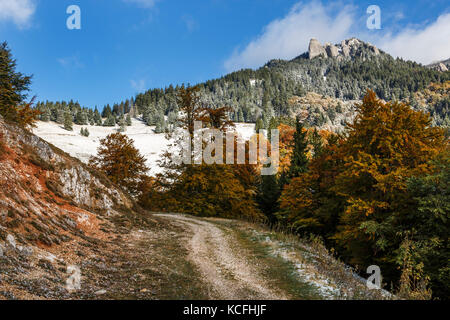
x=343, y=71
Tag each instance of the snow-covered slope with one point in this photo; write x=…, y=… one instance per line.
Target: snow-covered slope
x=150, y=144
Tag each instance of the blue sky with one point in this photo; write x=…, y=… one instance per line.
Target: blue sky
x=127, y=46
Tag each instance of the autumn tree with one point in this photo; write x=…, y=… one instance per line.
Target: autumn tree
x=216, y=118
x=387, y=144
x=376, y=190
x=121, y=162
x=189, y=104
x=204, y=189
x=308, y=204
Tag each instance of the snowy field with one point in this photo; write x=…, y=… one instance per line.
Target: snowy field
x=150, y=144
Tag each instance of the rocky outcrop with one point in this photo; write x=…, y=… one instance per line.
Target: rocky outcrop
x=67, y=177
x=332, y=50
x=346, y=49
x=316, y=49
x=442, y=66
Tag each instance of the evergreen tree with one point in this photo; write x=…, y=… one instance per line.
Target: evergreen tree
x=268, y=195
x=110, y=121
x=60, y=116
x=13, y=88
x=97, y=117
x=128, y=120
x=81, y=118
x=299, y=159
x=45, y=116
x=240, y=116
x=68, y=121
x=316, y=142
x=84, y=132
x=259, y=125
x=122, y=125
x=106, y=111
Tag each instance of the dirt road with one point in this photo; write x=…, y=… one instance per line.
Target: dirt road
x=223, y=264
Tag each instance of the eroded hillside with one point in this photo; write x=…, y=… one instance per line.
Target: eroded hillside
x=65, y=231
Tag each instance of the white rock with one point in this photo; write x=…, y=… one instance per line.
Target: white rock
x=27, y=251
x=332, y=51
x=11, y=241
x=316, y=49
x=100, y=292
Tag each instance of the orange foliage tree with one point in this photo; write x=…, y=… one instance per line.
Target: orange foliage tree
x=387, y=144
x=355, y=192
x=203, y=189
x=121, y=162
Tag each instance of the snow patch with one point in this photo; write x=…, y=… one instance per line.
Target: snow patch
x=151, y=145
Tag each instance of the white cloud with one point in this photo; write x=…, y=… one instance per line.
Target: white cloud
x=143, y=3
x=288, y=37
x=19, y=11
x=425, y=45
x=72, y=62
x=138, y=85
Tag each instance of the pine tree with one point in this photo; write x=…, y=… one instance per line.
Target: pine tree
x=122, y=125
x=259, y=125
x=60, y=116
x=299, y=159
x=81, y=118
x=240, y=116
x=97, y=117
x=84, y=132
x=68, y=121
x=13, y=88
x=110, y=121
x=268, y=195
x=316, y=142
x=106, y=111
x=129, y=123
x=45, y=116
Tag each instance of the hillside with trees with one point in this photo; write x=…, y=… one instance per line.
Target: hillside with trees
x=281, y=89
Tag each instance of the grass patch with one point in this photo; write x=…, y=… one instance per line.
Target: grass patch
x=281, y=273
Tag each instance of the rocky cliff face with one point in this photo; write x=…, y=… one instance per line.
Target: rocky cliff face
x=56, y=214
x=346, y=49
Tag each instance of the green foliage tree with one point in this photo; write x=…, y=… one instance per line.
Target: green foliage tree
x=110, y=121
x=268, y=195
x=68, y=122
x=429, y=224
x=13, y=91
x=299, y=159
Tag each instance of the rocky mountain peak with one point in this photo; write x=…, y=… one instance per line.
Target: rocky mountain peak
x=346, y=49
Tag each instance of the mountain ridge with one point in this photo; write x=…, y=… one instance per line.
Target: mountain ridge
x=343, y=71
